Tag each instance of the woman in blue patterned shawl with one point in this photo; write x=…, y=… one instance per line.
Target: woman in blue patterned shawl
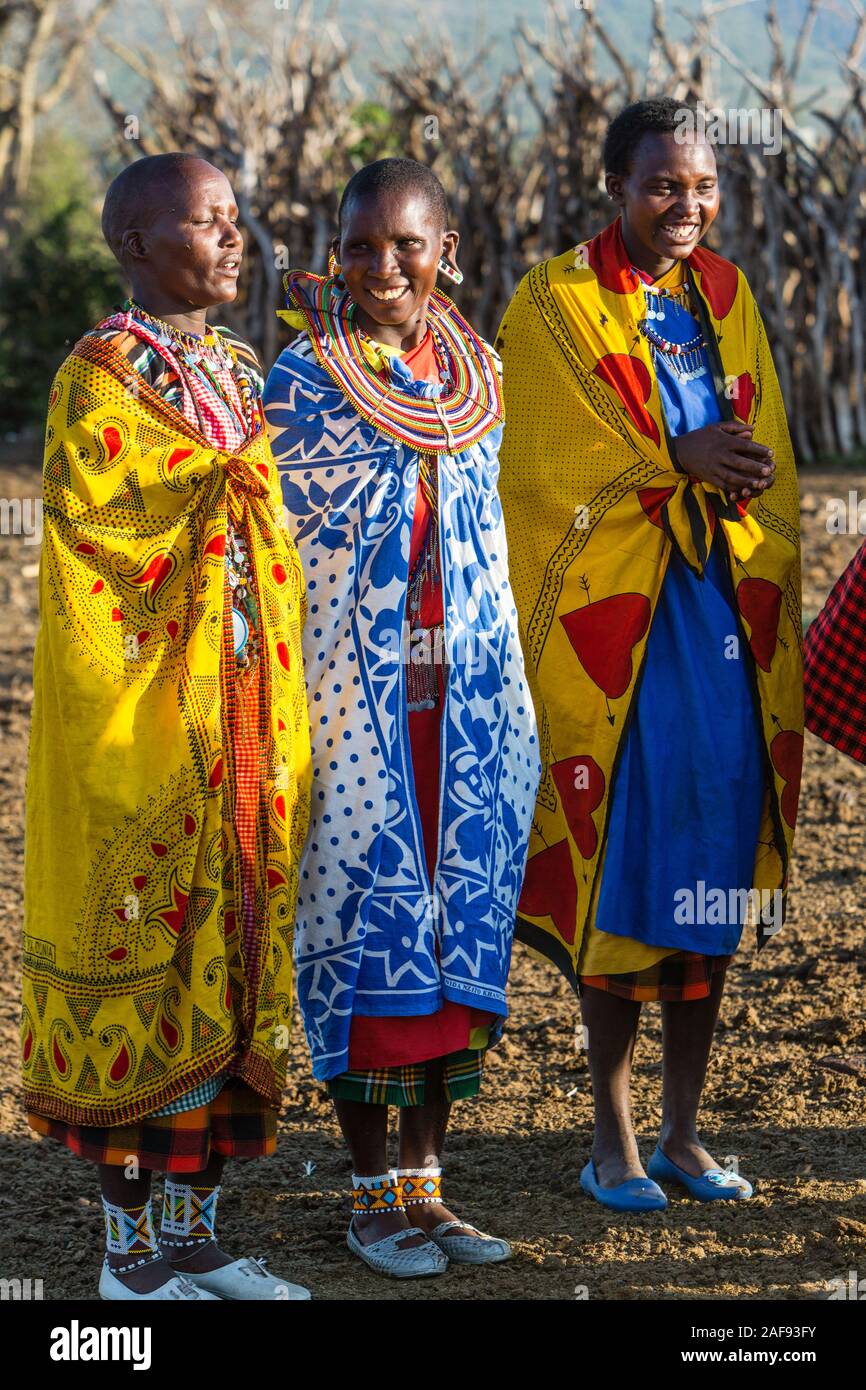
x=385, y=415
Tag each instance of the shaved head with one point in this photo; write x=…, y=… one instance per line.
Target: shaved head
x=400, y=178
x=142, y=191
x=172, y=222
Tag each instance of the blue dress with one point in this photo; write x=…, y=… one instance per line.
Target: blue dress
x=689, y=786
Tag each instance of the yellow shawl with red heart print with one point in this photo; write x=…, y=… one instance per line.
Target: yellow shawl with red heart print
x=593, y=504
x=136, y=987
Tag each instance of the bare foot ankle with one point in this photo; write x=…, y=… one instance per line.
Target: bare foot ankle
x=208, y=1256
x=687, y=1152
x=615, y=1164
x=428, y=1215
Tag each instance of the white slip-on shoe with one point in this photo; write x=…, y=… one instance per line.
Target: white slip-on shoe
x=387, y=1257
x=474, y=1248
x=423, y=1186
x=114, y=1290
x=247, y=1279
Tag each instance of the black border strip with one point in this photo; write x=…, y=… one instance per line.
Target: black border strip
x=546, y=945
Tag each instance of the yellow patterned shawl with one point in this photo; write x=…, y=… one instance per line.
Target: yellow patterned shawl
x=134, y=976
x=593, y=504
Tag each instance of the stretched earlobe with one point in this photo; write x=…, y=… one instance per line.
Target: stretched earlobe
x=451, y=271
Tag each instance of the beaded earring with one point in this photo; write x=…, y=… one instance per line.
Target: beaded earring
x=451, y=271
x=334, y=267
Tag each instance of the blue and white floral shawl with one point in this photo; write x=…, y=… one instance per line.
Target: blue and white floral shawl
x=373, y=936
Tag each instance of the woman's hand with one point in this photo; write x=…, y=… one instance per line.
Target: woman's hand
x=725, y=455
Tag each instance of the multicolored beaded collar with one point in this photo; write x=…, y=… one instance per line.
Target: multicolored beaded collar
x=466, y=408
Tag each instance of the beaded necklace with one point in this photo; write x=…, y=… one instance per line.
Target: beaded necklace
x=200, y=358
x=426, y=568
x=204, y=355
x=426, y=643
x=467, y=406
x=685, y=357
x=196, y=345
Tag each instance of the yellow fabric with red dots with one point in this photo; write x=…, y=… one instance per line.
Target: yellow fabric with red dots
x=593, y=504
x=137, y=982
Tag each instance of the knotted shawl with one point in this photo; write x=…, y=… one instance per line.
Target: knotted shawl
x=136, y=986
x=593, y=503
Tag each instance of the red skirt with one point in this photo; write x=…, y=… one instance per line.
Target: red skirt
x=835, y=664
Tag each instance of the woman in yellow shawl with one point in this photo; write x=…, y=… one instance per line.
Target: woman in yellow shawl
x=657, y=582
x=168, y=785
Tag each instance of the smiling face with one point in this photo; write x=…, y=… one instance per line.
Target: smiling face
x=669, y=200
x=389, y=250
x=186, y=254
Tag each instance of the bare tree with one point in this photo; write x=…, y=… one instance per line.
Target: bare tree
x=40, y=58
x=289, y=125
x=282, y=130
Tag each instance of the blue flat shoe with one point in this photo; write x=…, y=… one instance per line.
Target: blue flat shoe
x=638, y=1194
x=711, y=1186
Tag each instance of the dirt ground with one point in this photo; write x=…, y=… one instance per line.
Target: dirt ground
x=515, y=1153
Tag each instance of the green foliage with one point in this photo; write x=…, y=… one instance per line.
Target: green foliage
x=377, y=138
x=58, y=279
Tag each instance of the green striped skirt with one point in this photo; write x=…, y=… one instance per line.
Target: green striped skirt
x=461, y=1078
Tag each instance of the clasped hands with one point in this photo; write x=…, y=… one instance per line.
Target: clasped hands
x=725, y=455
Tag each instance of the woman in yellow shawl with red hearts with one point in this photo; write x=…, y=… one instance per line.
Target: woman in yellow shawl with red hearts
x=657, y=580
x=168, y=785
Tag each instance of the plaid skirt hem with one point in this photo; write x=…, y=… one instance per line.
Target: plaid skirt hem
x=676, y=979
x=237, y=1123
x=406, y=1085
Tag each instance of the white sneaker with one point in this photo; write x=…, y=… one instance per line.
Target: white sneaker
x=114, y=1289
x=246, y=1279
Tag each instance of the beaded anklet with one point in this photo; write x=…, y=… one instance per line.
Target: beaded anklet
x=188, y=1211
x=129, y=1231
x=136, y=1264
x=420, y=1185
x=379, y=1193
